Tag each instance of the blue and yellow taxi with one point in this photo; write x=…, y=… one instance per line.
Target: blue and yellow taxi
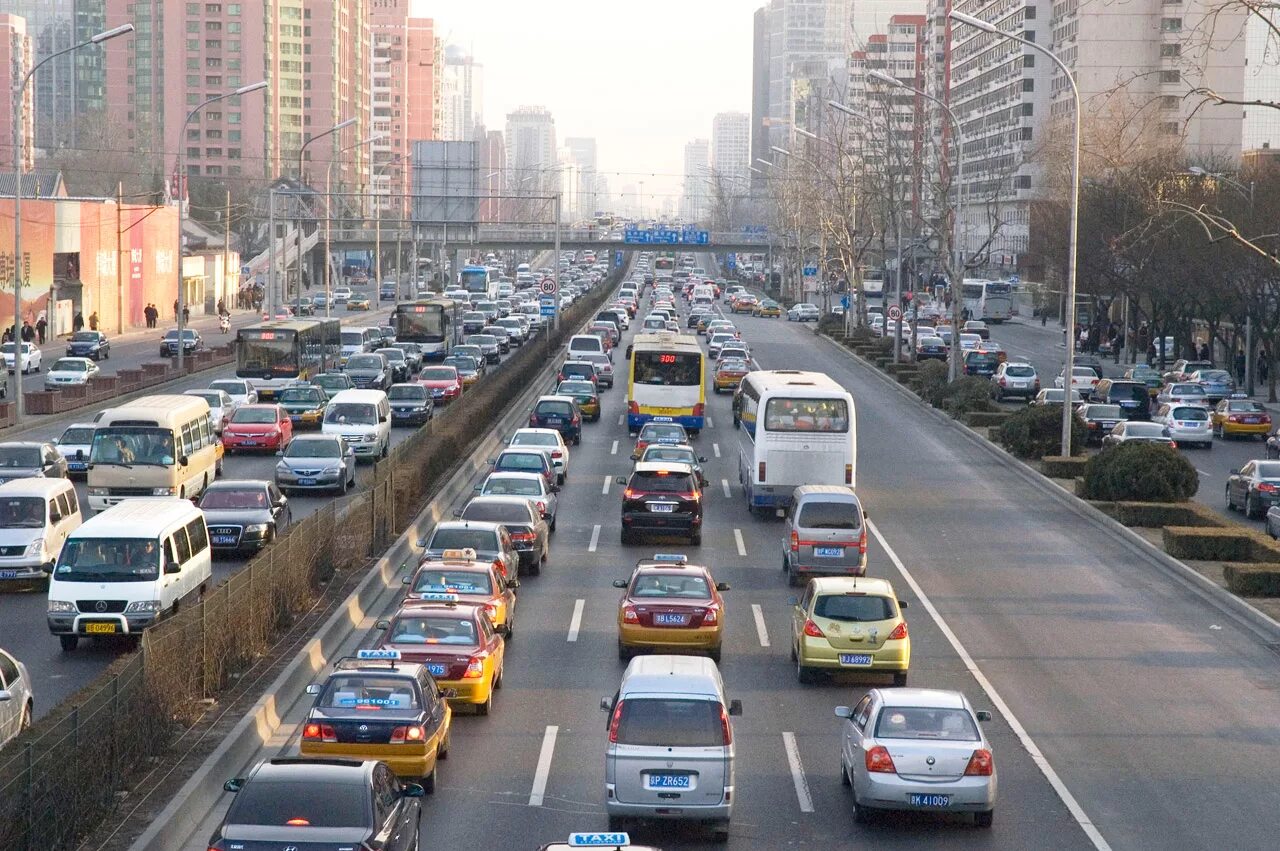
x=460, y=573
x=378, y=706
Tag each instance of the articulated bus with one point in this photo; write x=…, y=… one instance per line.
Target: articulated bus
x=272, y=355
x=666, y=380
x=432, y=324
x=800, y=430
x=990, y=301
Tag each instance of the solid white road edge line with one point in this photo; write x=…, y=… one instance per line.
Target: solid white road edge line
x=737, y=539
x=543, y=771
x=575, y=622
x=797, y=773
x=595, y=538
x=761, y=631
x=1064, y=794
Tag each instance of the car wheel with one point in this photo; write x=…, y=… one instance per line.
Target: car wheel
x=624, y=653
x=900, y=679
x=624, y=538
x=428, y=782
x=804, y=674
x=1250, y=506
x=715, y=655
x=844, y=773
x=486, y=707
x=984, y=819
x=695, y=540
x=442, y=752
x=552, y=527
x=1230, y=505
x=616, y=824
x=861, y=815
x=24, y=723
x=69, y=642
x=720, y=832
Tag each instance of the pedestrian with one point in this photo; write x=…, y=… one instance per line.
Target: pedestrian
x=1151, y=354
x=222, y=307
x=152, y=315
x=93, y=321
x=77, y=322
x=186, y=315
x=41, y=326
x=175, y=309
x=1264, y=364
x=1204, y=351
x=28, y=333
x=1240, y=362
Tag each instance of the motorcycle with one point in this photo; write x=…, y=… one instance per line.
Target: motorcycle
x=224, y=323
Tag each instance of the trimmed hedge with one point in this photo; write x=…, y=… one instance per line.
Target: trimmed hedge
x=1153, y=515
x=969, y=393
x=1145, y=472
x=1036, y=431
x=987, y=419
x=934, y=377
x=1061, y=467
x=1222, y=543
x=1252, y=580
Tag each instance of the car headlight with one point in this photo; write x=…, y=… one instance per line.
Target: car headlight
x=35, y=547
x=275, y=432
x=332, y=471
x=369, y=438
x=98, y=491
x=256, y=528
x=61, y=607
x=282, y=468
x=162, y=491
x=138, y=607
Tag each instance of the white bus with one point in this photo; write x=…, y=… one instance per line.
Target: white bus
x=990, y=301
x=153, y=446
x=800, y=429
x=873, y=292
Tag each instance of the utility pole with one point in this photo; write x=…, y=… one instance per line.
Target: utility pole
x=226, y=256
x=270, y=295
x=119, y=258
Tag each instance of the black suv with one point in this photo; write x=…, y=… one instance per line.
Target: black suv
x=1133, y=397
x=661, y=498
x=560, y=413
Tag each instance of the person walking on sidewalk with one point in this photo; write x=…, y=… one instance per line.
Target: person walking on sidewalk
x=93, y=321
x=77, y=322
x=42, y=325
x=1240, y=362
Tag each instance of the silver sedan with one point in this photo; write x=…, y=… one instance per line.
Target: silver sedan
x=917, y=749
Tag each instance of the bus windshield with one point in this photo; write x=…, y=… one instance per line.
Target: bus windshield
x=127, y=446
x=682, y=369
x=971, y=291
x=999, y=288
x=266, y=356
x=475, y=280
x=420, y=322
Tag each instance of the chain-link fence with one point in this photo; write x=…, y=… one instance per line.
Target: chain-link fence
x=65, y=774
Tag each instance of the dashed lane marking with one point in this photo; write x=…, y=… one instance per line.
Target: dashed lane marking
x=761, y=631
x=737, y=539
x=715, y=447
x=575, y=622
x=595, y=538
x=614, y=449
x=543, y=771
x=797, y=772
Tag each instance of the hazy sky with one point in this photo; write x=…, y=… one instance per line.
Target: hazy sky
x=642, y=78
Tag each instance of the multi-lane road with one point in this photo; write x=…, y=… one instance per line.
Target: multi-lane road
x=1129, y=711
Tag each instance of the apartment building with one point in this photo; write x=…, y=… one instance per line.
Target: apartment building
x=731, y=147
x=404, y=89
x=17, y=53
x=695, y=199
x=532, y=154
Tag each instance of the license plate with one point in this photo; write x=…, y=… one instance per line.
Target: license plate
x=857, y=659
x=8, y=574
x=668, y=781
x=248, y=443
x=669, y=620
x=1250, y=420
x=77, y=465
x=662, y=507
x=306, y=482
x=554, y=421
x=100, y=628
x=224, y=540
x=436, y=670
x=918, y=800
x=829, y=552
x=401, y=414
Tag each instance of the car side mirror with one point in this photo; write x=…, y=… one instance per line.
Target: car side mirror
x=983, y=715
x=619, y=583
x=457, y=512
x=634, y=457
x=183, y=460
x=171, y=567
x=606, y=704
x=792, y=601
x=735, y=707
x=5, y=695
x=844, y=712
x=902, y=604
x=701, y=459
x=722, y=586
x=622, y=480
x=1234, y=473
x=555, y=489
x=412, y=790
x=233, y=785
x=383, y=625
x=279, y=453
x=313, y=688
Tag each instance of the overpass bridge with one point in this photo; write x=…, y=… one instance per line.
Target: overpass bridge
x=539, y=238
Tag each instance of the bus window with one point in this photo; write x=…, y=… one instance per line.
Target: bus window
x=663, y=368
x=827, y=415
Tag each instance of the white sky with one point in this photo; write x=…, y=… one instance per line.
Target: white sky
x=643, y=78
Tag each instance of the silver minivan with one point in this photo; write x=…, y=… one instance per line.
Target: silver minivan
x=825, y=534
x=670, y=753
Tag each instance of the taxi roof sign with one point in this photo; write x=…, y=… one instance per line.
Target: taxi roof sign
x=677, y=558
x=465, y=554
x=1239, y=395
x=378, y=655
x=599, y=840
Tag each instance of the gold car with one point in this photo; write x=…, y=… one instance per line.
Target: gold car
x=377, y=706
x=670, y=605
x=767, y=308
x=455, y=641
x=458, y=573
x=357, y=303
x=1232, y=417
x=729, y=374
x=849, y=623
x=585, y=394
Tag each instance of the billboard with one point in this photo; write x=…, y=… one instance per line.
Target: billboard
x=446, y=182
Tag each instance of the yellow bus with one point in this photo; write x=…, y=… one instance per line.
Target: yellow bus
x=667, y=380
x=153, y=446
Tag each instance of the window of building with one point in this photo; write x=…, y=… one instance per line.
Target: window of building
x=193, y=80
x=1028, y=85
x=213, y=80
x=193, y=8
x=193, y=152
x=213, y=26
x=233, y=9
x=1022, y=181
x=1029, y=12
x=193, y=45
x=1170, y=102
x=1171, y=50
x=213, y=8
x=1170, y=76
x=193, y=63
x=233, y=136
x=213, y=44
x=213, y=116
x=1170, y=128
x=1029, y=60
x=233, y=118
x=193, y=26
x=1171, y=25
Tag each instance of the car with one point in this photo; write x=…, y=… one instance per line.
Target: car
x=767, y=308
x=412, y=355
x=473, y=321
x=489, y=346
x=849, y=624
x=824, y=533
x=581, y=369
x=1183, y=369
x=1014, y=379
x=386, y=290
x=1098, y=420
x=244, y=515
x=1133, y=397
x=341, y=294
x=286, y=801
x=516, y=327
x=305, y=404
x=526, y=459
x=560, y=413
x=491, y=541
x=474, y=582
x=221, y=407
x=729, y=374
x=679, y=453
x=670, y=605
x=585, y=394
x=1146, y=375
x=257, y=428
x=191, y=342
x=316, y=462
x=1083, y=379
x=975, y=326
x=551, y=441
x=529, y=531
x=31, y=357
x=1241, y=417
x=411, y=404
x=603, y=368
x=930, y=347
x=89, y=344
x=1186, y=424
x=369, y=371
x=660, y=430
x=74, y=445
x=358, y=302
x=917, y=749
x=468, y=368
x=661, y=498
x=396, y=360
x=31, y=459
x=968, y=342
x=17, y=700
x=1054, y=396
x=1254, y=487
x=240, y=391
x=745, y=303
x=1182, y=393
x=803, y=312
x=332, y=383
x=734, y=349
x=443, y=382
x=66, y=372
x=1133, y=431
x=499, y=333
x=717, y=340
x=306, y=306
x=531, y=486
x=456, y=642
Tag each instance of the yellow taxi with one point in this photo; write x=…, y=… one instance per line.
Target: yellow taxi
x=358, y=302
x=729, y=374
x=767, y=307
x=585, y=394
x=849, y=623
x=1240, y=416
x=455, y=641
x=670, y=605
x=459, y=573
x=376, y=706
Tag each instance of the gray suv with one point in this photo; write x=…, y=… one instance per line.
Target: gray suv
x=825, y=534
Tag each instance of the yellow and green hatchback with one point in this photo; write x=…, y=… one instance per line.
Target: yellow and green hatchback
x=849, y=624
x=585, y=394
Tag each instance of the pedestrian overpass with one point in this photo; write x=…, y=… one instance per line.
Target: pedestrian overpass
x=536, y=238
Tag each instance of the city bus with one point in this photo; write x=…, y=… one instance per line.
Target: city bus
x=664, y=263
x=272, y=355
x=990, y=301
x=479, y=284
x=431, y=323
x=800, y=429
x=873, y=291
x=666, y=379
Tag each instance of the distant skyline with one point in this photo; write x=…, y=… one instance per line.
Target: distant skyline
x=642, y=80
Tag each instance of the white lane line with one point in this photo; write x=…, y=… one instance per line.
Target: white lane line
x=1203, y=473
x=737, y=539
x=543, y=771
x=724, y=483
x=622, y=418
x=607, y=481
x=763, y=633
x=1064, y=794
x=715, y=447
x=797, y=772
x=709, y=423
x=575, y=622
x=595, y=538
x=614, y=449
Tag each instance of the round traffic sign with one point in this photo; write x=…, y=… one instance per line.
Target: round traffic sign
x=895, y=312
x=549, y=286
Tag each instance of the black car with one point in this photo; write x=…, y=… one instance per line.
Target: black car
x=397, y=361
x=369, y=371
x=320, y=803
x=981, y=363
x=191, y=342
x=245, y=515
x=1133, y=397
x=411, y=403
x=560, y=413
x=1254, y=488
x=89, y=344
x=1098, y=420
x=661, y=498
x=473, y=321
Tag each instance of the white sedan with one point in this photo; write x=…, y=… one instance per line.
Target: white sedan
x=803, y=312
x=70, y=372
x=76, y=438
x=1082, y=379
x=240, y=391
x=221, y=406
x=31, y=357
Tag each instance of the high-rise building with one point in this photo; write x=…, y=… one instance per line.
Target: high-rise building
x=759, y=93
x=731, y=147
x=581, y=153
x=462, y=95
x=402, y=81
x=338, y=68
x=695, y=197
x=16, y=55
x=51, y=25
x=1261, y=82
x=532, y=154
x=493, y=165
x=808, y=52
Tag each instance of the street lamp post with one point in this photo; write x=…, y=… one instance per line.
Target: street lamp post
x=377, y=222
x=182, y=192
x=297, y=303
x=1070, y=318
x=328, y=220
x=18, y=127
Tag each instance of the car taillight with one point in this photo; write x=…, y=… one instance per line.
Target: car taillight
x=630, y=493
x=899, y=632
x=1001, y=382
x=615, y=721
x=761, y=471
x=878, y=761
x=1267, y=488
x=319, y=733
x=710, y=616
x=475, y=669
x=862, y=542
x=725, y=727
x=542, y=507
x=523, y=536
x=408, y=735
x=795, y=542
x=812, y=630
x=629, y=615
x=492, y=611
x=692, y=497
x=574, y=420
x=1233, y=418
x=502, y=567
x=980, y=764
x=556, y=453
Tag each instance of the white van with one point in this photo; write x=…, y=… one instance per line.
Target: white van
x=358, y=341
x=363, y=417
x=670, y=751
x=36, y=516
x=582, y=344
x=127, y=567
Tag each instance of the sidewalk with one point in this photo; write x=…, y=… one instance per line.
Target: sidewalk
x=206, y=325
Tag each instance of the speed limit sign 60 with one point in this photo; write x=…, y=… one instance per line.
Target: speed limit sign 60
x=895, y=312
x=549, y=286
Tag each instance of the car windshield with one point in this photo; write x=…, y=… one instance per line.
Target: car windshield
x=173, y=335
x=829, y=515
x=25, y=512
x=129, y=445
x=669, y=722
x=829, y=415
x=670, y=453
x=76, y=436
x=1020, y=372
x=252, y=415
x=368, y=692
x=507, y=486
x=461, y=538
x=309, y=447
x=854, y=607
x=1187, y=390
x=660, y=481
x=1105, y=412
x=331, y=382
x=482, y=340
x=1133, y=392
x=1268, y=470
x=300, y=394
x=353, y=338
x=497, y=512
x=213, y=398
x=408, y=392
x=446, y=581
x=69, y=365
x=85, y=337
x=732, y=365
x=224, y=497
x=1190, y=412
x=919, y=722
x=691, y=587
x=432, y=629
x=554, y=408
x=108, y=560
x=392, y=355
x=234, y=388
x=1243, y=406
x=364, y=362
x=523, y=461
x=308, y=803
x=354, y=413
x=534, y=438
x=438, y=373
x=1220, y=376
x=663, y=431
x=576, y=388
